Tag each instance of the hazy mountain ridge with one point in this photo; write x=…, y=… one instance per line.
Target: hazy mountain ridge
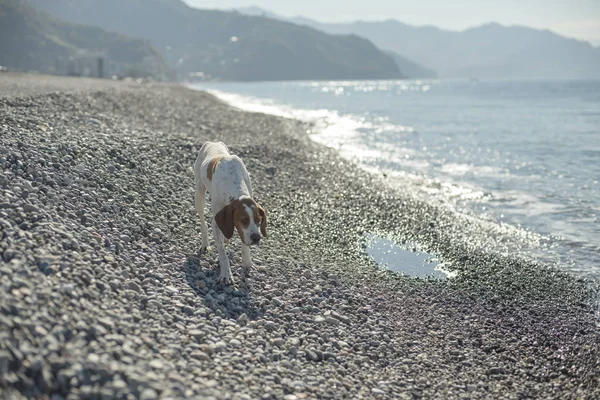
x=490, y=51
x=33, y=40
x=408, y=67
x=230, y=45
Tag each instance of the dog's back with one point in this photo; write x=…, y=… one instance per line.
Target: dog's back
x=210, y=152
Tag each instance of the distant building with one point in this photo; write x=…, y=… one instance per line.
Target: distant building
x=97, y=64
x=199, y=76
x=90, y=63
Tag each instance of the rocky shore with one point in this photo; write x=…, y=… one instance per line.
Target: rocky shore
x=104, y=293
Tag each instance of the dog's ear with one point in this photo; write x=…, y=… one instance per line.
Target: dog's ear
x=224, y=220
x=263, y=221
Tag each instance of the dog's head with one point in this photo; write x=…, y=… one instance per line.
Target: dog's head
x=246, y=216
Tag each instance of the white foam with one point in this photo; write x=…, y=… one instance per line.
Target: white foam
x=328, y=123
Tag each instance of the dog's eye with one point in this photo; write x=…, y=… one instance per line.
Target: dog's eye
x=245, y=221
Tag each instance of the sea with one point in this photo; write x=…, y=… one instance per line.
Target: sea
x=523, y=153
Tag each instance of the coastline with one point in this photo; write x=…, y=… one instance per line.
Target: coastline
x=108, y=293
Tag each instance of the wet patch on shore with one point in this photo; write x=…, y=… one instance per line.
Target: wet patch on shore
x=407, y=259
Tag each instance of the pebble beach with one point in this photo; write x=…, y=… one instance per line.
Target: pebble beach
x=104, y=292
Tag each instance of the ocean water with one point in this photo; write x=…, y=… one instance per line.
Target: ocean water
x=523, y=153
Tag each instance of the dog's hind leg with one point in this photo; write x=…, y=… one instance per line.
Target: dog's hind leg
x=200, y=196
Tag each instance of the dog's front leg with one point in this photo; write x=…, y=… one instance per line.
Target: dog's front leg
x=225, y=276
x=246, y=259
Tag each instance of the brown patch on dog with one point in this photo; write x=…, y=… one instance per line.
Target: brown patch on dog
x=263, y=220
x=234, y=216
x=212, y=165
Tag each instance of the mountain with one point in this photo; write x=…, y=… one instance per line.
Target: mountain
x=230, y=45
x=489, y=51
x=408, y=67
x=411, y=69
x=33, y=40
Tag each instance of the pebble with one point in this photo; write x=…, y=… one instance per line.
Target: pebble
x=148, y=394
x=40, y=331
x=198, y=335
x=312, y=355
x=30, y=208
x=220, y=346
x=242, y=319
x=134, y=286
x=156, y=364
x=200, y=355
x=172, y=290
x=93, y=358
x=497, y=371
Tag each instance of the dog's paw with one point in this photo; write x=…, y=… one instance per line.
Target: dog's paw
x=247, y=268
x=226, y=280
x=204, y=249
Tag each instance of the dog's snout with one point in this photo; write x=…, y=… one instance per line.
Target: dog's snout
x=255, y=237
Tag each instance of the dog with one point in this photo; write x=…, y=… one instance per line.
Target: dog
x=225, y=177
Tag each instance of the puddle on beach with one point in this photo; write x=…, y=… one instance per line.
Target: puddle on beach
x=406, y=259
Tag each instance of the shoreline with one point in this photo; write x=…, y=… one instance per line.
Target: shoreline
x=108, y=293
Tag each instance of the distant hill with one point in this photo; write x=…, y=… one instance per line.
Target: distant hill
x=411, y=69
x=408, y=67
x=230, y=45
x=488, y=51
x=33, y=40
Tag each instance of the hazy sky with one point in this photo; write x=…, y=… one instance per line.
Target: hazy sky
x=574, y=18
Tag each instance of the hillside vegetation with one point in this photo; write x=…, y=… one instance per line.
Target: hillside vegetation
x=33, y=40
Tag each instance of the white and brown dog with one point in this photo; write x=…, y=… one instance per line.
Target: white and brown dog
x=225, y=177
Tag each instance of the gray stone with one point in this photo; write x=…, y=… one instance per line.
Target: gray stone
x=497, y=371
x=200, y=355
x=134, y=286
x=156, y=364
x=148, y=394
x=30, y=208
x=242, y=319
x=220, y=346
x=312, y=355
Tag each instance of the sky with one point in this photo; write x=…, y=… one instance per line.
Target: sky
x=574, y=18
